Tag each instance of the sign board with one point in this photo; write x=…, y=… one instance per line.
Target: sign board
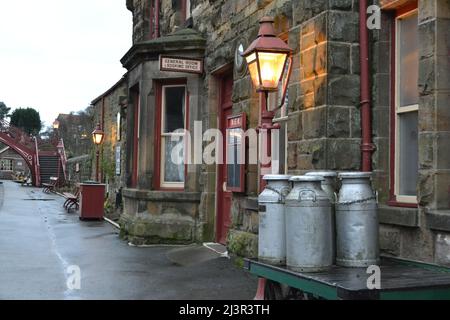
x=181, y=64
x=118, y=150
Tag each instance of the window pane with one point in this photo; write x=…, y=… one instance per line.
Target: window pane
x=174, y=108
x=409, y=153
x=408, y=61
x=173, y=168
x=234, y=158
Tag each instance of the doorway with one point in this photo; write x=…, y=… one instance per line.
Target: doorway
x=224, y=197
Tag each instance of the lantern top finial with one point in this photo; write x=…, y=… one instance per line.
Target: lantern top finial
x=267, y=39
x=266, y=27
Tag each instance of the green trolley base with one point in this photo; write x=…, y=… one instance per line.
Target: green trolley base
x=400, y=280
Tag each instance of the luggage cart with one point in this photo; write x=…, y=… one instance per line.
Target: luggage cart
x=400, y=280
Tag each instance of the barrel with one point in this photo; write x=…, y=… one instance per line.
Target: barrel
x=272, y=230
x=308, y=226
x=329, y=185
x=357, y=221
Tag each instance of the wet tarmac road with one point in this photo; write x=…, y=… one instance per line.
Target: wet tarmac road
x=40, y=243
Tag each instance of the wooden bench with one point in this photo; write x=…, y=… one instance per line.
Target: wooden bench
x=50, y=187
x=72, y=199
x=27, y=182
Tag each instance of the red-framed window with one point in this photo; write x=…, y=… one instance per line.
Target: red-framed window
x=235, y=152
x=172, y=123
x=404, y=150
x=154, y=8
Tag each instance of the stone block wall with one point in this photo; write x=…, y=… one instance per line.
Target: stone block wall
x=324, y=123
x=110, y=104
x=84, y=164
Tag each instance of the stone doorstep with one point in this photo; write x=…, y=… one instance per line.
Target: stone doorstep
x=438, y=220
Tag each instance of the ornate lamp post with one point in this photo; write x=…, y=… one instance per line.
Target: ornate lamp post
x=97, y=137
x=268, y=59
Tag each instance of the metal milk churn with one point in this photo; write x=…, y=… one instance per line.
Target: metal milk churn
x=329, y=185
x=272, y=225
x=308, y=226
x=357, y=221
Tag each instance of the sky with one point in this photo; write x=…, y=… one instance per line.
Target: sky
x=58, y=55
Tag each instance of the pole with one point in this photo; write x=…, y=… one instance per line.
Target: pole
x=97, y=165
x=266, y=126
x=367, y=146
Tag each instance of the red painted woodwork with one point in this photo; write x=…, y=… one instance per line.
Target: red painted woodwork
x=392, y=197
x=159, y=85
x=24, y=145
x=224, y=197
x=92, y=201
x=367, y=147
x=154, y=19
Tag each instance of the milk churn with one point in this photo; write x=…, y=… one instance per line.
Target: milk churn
x=356, y=221
x=308, y=226
x=272, y=225
x=329, y=185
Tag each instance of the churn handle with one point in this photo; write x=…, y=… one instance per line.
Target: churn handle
x=307, y=191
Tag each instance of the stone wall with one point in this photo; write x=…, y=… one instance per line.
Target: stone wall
x=111, y=104
x=84, y=166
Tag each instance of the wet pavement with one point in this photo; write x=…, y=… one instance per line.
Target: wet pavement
x=40, y=244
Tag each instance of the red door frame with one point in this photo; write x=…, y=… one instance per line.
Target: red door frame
x=224, y=111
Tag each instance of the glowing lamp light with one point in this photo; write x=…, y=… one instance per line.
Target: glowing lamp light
x=56, y=124
x=98, y=135
x=267, y=57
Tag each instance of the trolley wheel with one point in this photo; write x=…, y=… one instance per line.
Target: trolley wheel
x=273, y=291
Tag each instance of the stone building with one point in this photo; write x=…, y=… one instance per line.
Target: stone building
x=12, y=164
x=74, y=130
x=110, y=113
x=321, y=126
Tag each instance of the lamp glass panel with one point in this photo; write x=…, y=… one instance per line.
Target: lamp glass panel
x=253, y=69
x=98, y=138
x=271, y=65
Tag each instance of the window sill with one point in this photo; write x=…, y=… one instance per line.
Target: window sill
x=397, y=216
x=438, y=220
x=151, y=195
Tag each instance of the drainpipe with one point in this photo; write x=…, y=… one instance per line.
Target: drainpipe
x=156, y=19
x=367, y=146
